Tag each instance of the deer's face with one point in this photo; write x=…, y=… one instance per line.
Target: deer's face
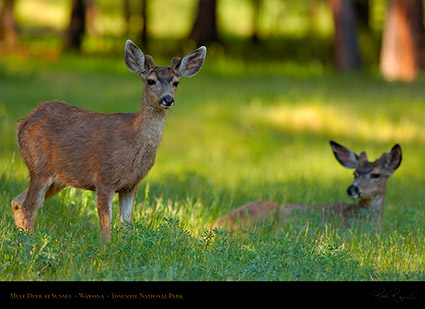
x=370, y=178
x=160, y=85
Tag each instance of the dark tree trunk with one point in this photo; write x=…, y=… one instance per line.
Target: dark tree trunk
x=204, y=29
x=142, y=11
x=74, y=33
x=402, y=50
x=8, y=32
x=127, y=15
x=362, y=11
x=347, y=55
x=256, y=4
x=144, y=33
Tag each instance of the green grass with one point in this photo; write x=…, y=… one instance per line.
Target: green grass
x=238, y=133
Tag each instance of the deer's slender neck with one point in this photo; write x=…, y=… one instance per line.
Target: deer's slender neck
x=151, y=121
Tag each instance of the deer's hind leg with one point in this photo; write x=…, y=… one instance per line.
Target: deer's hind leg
x=26, y=204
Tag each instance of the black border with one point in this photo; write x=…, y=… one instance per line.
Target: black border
x=193, y=292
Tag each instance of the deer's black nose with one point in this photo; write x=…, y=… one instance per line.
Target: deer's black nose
x=353, y=191
x=168, y=101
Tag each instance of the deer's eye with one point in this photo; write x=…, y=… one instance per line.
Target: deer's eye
x=151, y=82
x=176, y=83
x=375, y=175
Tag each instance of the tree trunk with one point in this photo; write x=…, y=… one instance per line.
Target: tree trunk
x=204, y=29
x=347, y=55
x=76, y=27
x=127, y=16
x=144, y=33
x=362, y=11
x=402, y=50
x=137, y=9
x=256, y=5
x=8, y=32
x=92, y=12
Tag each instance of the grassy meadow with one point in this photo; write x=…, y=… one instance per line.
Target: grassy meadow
x=239, y=132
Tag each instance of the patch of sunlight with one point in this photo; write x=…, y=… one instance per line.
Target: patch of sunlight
x=236, y=17
x=50, y=15
x=309, y=118
x=109, y=25
x=165, y=23
x=326, y=120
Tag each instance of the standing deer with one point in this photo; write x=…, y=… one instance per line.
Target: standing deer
x=63, y=145
x=369, y=186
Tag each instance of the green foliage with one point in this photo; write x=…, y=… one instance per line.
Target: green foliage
x=239, y=132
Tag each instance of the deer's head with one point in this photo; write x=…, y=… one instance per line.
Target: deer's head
x=370, y=178
x=160, y=83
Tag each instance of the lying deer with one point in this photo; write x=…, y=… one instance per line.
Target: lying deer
x=63, y=145
x=369, y=188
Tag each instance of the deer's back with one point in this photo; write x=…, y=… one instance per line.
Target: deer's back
x=255, y=212
x=248, y=214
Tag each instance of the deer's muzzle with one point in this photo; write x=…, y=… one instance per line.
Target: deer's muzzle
x=167, y=101
x=353, y=191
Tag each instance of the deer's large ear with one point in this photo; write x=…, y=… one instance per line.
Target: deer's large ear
x=393, y=159
x=191, y=63
x=175, y=63
x=345, y=156
x=135, y=59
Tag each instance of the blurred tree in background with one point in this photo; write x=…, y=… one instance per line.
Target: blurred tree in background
x=138, y=10
x=347, y=55
x=77, y=25
x=352, y=35
x=204, y=29
x=8, y=32
x=402, y=53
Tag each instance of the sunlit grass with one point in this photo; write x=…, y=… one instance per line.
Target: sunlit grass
x=239, y=132
x=324, y=120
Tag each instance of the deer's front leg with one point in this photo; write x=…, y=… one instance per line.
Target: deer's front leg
x=104, y=207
